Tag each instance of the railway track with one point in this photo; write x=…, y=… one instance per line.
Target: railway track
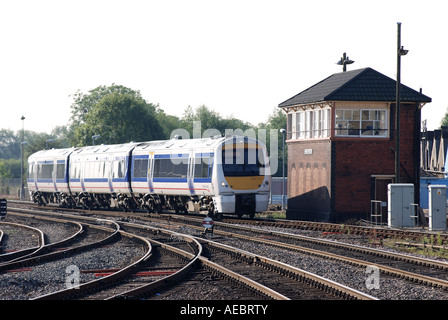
x=197, y=260
x=422, y=271
x=256, y=268
x=117, y=281
x=11, y=255
x=419, y=271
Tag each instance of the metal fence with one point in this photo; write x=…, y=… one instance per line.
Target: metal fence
x=11, y=188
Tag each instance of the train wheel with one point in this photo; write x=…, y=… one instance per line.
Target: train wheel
x=211, y=209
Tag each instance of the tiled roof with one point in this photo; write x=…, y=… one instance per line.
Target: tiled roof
x=357, y=85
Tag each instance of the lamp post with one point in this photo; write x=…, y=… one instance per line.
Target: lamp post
x=47, y=142
x=97, y=136
x=283, y=132
x=400, y=52
x=21, y=157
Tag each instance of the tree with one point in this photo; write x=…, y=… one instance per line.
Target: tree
x=444, y=121
x=275, y=122
x=116, y=113
x=210, y=122
x=168, y=123
x=9, y=144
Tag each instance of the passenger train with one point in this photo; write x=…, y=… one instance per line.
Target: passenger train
x=219, y=175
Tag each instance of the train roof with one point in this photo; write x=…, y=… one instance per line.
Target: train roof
x=106, y=148
x=158, y=145
x=180, y=144
x=176, y=144
x=52, y=153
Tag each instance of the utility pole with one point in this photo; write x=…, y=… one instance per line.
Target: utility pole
x=400, y=52
x=22, y=186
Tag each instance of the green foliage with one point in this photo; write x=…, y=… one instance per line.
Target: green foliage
x=9, y=144
x=118, y=114
x=444, y=121
x=9, y=169
x=276, y=121
x=209, y=122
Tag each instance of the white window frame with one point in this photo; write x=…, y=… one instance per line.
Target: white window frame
x=361, y=123
x=309, y=123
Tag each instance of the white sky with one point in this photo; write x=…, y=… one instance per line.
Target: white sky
x=238, y=57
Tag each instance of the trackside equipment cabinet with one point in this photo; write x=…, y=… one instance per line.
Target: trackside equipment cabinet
x=437, y=207
x=399, y=211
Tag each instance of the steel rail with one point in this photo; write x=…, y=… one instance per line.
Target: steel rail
x=75, y=291
x=45, y=247
x=266, y=262
x=293, y=272
x=352, y=247
x=194, y=260
x=20, y=254
x=38, y=258
x=356, y=262
x=167, y=281
x=260, y=288
x=171, y=279
x=427, y=280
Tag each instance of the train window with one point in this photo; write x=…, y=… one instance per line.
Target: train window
x=60, y=171
x=45, y=171
x=102, y=169
x=119, y=169
x=170, y=168
x=203, y=167
x=31, y=171
x=239, y=162
x=75, y=170
x=140, y=168
x=88, y=169
x=94, y=169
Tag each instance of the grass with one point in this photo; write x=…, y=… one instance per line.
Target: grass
x=430, y=246
x=272, y=215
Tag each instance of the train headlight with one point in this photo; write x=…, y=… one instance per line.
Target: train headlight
x=223, y=184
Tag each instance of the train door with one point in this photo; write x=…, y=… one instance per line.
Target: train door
x=190, y=174
x=151, y=171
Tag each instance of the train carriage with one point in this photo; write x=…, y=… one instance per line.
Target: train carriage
x=220, y=175
x=173, y=173
x=99, y=174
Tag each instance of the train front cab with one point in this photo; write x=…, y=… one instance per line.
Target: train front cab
x=245, y=183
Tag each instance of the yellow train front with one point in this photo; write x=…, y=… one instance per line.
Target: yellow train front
x=242, y=177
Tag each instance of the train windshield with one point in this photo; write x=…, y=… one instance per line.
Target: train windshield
x=242, y=162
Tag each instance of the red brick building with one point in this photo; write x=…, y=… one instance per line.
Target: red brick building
x=341, y=144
